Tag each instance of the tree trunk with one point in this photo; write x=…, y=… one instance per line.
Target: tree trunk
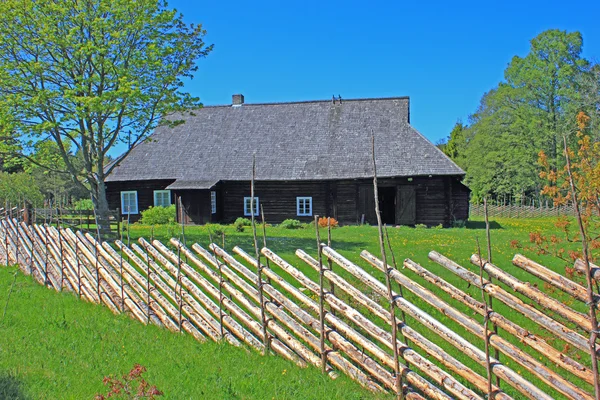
x=98, y=194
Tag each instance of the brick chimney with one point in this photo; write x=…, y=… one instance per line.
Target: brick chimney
x=237, y=100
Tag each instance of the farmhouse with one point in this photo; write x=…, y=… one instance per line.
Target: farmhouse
x=312, y=158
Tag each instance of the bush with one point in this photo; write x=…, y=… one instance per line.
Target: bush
x=83, y=204
x=158, y=215
x=243, y=221
x=291, y=224
x=323, y=223
x=420, y=226
x=240, y=223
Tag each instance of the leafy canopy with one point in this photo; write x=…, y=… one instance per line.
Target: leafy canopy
x=90, y=74
x=527, y=112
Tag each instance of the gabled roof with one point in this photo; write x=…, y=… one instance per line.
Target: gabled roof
x=314, y=140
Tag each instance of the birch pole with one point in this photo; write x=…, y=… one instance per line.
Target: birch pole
x=259, y=282
x=321, y=297
x=489, y=256
x=588, y=275
x=486, y=320
x=398, y=377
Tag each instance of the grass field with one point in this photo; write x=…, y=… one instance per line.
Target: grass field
x=55, y=346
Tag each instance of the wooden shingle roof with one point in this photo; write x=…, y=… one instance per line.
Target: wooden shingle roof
x=314, y=140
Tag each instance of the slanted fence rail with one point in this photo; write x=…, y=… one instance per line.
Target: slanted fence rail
x=212, y=294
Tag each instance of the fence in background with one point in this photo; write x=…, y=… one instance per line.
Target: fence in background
x=209, y=294
x=521, y=211
x=76, y=219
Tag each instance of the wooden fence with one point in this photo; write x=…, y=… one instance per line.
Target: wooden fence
x=521, y=211
x=212, y=295
x=78, y=219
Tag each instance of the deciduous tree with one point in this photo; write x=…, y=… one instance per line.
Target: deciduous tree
x=91, y=74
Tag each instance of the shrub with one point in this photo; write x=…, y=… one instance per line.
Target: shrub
x=158, y=215
x=291, y=224
x=243, y=221
x=131, y=386
x=83, y=204
x=323, y=223
x=240, y=223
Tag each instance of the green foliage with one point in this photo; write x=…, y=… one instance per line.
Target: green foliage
x=216, y=230
x=17, y=188
x=243, y=221
x=526, y=113
x=240, y=223
x=420, y=226
x=87, y=76
x=159, y=215
x=291, y=224
x=83, y=204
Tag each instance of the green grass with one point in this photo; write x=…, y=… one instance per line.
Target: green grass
x=55, y=346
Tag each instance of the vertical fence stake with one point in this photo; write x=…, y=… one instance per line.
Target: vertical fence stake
x=60, y=248
x=486, y=319
x=400, y=289
x=489, y=257
x=121, y=268
x=220, y=267
x=329, y=262
x=259, y=283
x=398, y=377
x=321, y=297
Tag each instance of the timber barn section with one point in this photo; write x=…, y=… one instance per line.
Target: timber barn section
x=312, y=158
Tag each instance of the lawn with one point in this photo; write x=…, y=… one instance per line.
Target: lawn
x=55, y=346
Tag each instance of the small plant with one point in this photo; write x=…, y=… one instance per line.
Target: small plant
x=131, y=386
x=291, y=224
x=323, y=222
x=243, y=221
x=158, y=215
x=240, y=223
x=440, y=226
x=420, y=226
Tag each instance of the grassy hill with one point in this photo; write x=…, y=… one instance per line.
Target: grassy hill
x=55, y=346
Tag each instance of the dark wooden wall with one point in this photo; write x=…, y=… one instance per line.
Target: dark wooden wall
x=278, y=199
x=145, y=192
x=438, y=199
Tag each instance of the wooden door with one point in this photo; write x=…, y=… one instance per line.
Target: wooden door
x=366, y=204
x=406, y=205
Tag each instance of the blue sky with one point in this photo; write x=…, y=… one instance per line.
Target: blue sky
x=443, y=55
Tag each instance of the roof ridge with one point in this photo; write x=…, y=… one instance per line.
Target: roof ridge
x=275, y=103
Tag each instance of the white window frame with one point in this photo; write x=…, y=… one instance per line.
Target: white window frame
x=156, y=192
x=304, y=200
x=213, y=202
x=247, y=202
x=129, y=210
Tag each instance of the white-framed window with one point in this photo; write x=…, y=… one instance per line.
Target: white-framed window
x=248, y=206
x=304, y=206
x=213, y=202
x=129, y=202
x=162, y=198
